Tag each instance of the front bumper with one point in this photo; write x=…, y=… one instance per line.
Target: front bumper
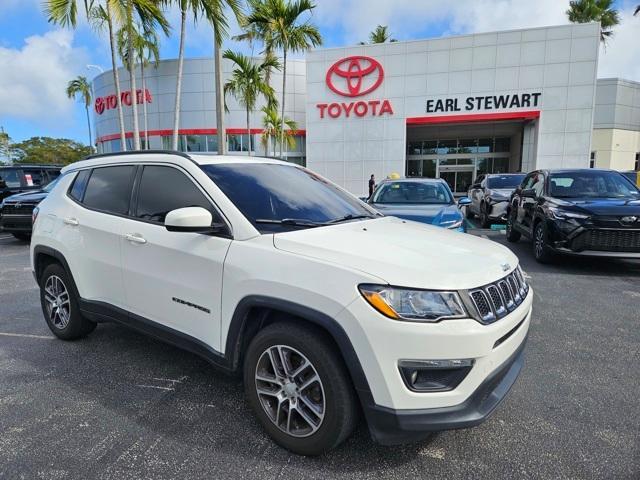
x=15, y=223
x=392, y=427
x=498, y=210
x=395, y=413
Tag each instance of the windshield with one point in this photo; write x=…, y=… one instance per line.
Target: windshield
x=268, y=194
x=413, y=193
x=505, y=181
x=597, y=184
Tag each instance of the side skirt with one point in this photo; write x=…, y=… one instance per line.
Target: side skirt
x=104, y=312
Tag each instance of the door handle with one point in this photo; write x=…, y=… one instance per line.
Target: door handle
x=71, y=221
x=135, y=238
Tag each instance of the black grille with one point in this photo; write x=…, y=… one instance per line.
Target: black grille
x=608, y=240
x=11, y=209
x=497, y=299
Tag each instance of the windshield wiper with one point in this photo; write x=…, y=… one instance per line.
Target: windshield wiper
x=349, y=217
x=297, y=222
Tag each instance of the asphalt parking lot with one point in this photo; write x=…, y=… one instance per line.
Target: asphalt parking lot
x=119, y=405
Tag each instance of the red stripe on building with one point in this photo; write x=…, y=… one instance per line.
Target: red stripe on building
x=475, y=117
x=193, y=131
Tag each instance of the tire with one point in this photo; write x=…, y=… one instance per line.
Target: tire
x=25, y=237
x=332, y=396
x=541, y=250
x=63, y=318
x=485, y=222
x=468, y=213
x=512, y=234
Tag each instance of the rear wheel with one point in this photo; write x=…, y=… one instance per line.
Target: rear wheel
x=60, y=305
x=512, y=234
x=299, y=388
x=468, y=213
x=541, y=250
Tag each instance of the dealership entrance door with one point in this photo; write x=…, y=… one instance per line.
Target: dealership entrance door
x=459, y=152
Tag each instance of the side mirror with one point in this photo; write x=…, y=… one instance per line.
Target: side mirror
x=464, y=201
x=528, y=193
x=192, y=219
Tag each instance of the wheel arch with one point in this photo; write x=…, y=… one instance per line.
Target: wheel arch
x=44, y=256
x=256, y=311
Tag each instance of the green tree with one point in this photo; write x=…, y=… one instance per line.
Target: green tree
x=80, y=86
x=47, y=150
x=147, y=51
x=272, y=128
x=278, y=22
x=5, y=147
x=584, y=11
x=248, y=82
x=380, y=35
x=65, y=13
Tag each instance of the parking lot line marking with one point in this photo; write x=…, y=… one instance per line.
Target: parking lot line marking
x=6, y=237
x=169, y=379
x=25, y=335
x=153, y=386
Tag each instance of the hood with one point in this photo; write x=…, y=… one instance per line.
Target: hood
x=501, y=192
x=601, y=206
x=432, y=214
x=27, y=197
x=403, y=253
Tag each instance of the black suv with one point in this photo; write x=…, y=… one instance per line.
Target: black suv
x=581, y=212
x=22, y=187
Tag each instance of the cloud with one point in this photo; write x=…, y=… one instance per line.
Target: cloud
x=621, y=56
x=34, y=78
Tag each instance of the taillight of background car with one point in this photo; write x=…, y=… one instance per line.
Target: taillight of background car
x=34, y=215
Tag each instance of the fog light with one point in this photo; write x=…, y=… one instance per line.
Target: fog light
x=434, y=375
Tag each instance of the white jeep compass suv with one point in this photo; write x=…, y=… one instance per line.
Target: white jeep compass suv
x=262, y=267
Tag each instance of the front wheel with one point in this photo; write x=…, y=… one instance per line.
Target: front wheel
x=485, y=221
x=299, y=388
x=512, y=234
x=541, y=250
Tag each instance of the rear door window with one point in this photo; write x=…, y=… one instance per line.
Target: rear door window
x=109, y=189
x=79, y=184
x=34, y=177
x=163, y=189
x=11, y=178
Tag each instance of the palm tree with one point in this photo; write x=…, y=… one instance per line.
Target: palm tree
x=248, y=82
x=584, y=11
x=80, y=86
x=636, y=11
x=64, y=12
x=146, y=49
x=278, y=23
x=380, y=35
x=127, y=13
x=272, y=128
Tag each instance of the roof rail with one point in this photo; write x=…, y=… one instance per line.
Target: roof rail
x=138, y=152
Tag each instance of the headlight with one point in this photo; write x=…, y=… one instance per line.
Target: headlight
x=416, y=305
x=561, y=214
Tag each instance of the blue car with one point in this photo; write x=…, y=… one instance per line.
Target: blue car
x=425, y=200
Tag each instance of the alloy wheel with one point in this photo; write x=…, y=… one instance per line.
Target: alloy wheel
x=539, y=241
x=57, y=302
x=290, y=390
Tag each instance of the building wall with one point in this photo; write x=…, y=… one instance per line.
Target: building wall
x=616, y=133
x=559, y=62
x=198, y=98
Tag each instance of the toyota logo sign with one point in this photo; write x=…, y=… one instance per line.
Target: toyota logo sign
x=355, y=76
x=100, y=105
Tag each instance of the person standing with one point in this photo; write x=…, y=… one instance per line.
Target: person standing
x=372, y=185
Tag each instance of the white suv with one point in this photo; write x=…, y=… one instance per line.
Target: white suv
x=262, y=267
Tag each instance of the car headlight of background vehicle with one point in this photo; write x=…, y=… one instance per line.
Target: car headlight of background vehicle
x=457, y=223
x=414, y=305
x=561, y=214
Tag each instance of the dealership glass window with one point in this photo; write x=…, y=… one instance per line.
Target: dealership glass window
x=414, y=148
x=483, y=165
x=430, y=147
x=446, y=147
x=468, y=146
x=196, y=143
x=167, y=143
x=109, y=189
x=500, y=165
x=212, y=143
x=448, y=161
x=240, y=143
x=502, y=144
x=485, y=145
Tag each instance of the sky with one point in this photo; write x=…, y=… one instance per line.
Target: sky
x=37, y=59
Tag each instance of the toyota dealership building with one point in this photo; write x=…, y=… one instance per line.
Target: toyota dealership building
x=448, y=107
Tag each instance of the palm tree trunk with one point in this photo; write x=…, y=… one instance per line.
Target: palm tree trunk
x=144, y=105
x=248, y=131
x=132, y=77
x=86, y=107
x=284, y=80
x=116, y=78
x=176, y=113
x=222, y=141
